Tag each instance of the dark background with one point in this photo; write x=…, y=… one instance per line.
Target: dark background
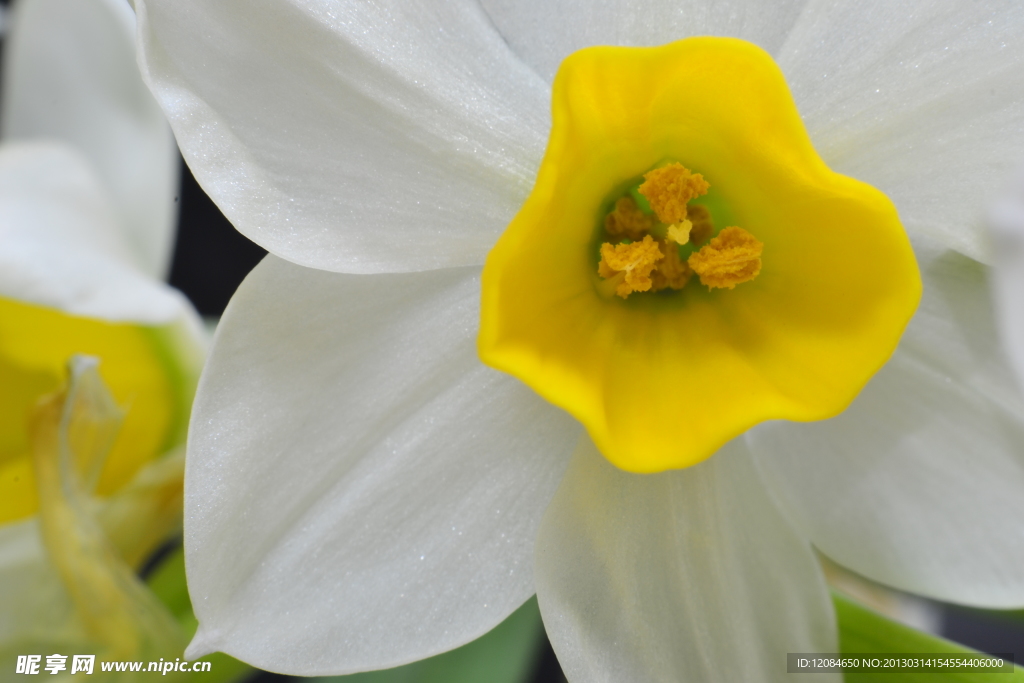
x=211, y=258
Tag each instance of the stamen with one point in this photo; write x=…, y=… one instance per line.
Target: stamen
x=669, y=188
x=731, y=258
x=672, y=271
x=703, y=228
x=628, y=221
x=654, y=263
x=629, y=266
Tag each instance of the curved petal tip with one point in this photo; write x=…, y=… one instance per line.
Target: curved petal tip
x=203, y=643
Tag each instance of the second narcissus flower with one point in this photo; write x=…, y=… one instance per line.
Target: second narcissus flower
x=362, y=491
x=87, y=182
x=88, y=172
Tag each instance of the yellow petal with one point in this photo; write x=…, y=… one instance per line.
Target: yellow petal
x=139, y=365
x=663, y=380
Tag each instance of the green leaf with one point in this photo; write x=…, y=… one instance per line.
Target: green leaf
x=505, y=655
x=167, y=582
x=862, y=630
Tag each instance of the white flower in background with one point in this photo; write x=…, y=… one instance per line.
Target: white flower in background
x=88, y=174
x=71, y=280
x=363, y=492
x=70, y=75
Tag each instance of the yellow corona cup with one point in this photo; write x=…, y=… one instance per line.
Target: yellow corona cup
x=749, y=282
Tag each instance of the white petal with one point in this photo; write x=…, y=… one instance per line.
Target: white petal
x=923, y=99
x=361, y=491
x=357, y=137
x=544, y=32
x=920, y=483
x=70, y=74
x=691, y=575
x=60, y=245
x=1006, y=220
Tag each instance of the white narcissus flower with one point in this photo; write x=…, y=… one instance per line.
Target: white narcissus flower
x=362, y=492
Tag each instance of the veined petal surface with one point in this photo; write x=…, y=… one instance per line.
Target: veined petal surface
x=61, y=245
x=544, y=32
x=70, y=74
x=361, y=491
x=382, y=136
x=918, y=483
x=689, y=575
x=1006, y=220
x=922, y=99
